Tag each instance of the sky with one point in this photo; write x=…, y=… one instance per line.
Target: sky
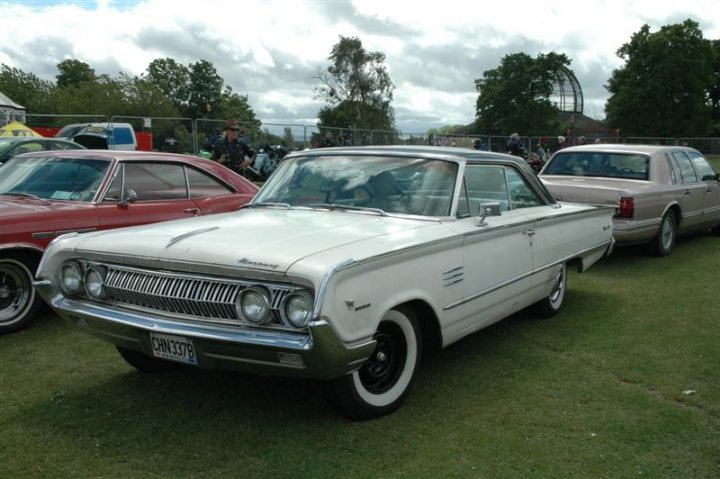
x=273, y=50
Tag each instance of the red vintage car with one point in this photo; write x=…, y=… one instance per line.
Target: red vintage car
x=46, y=194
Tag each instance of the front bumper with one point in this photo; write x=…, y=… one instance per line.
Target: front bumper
x=317, y=353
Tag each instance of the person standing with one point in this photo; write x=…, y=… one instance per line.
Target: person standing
x=541, y=150
x=562, y=142
x=230, y=151
x=515, y=146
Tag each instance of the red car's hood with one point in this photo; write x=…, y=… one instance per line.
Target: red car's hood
x=13, y=206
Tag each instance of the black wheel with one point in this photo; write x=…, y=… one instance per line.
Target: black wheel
x=18, y=301
x=381, y=384
x=144, y=363
x=550, y=305
x=665, y=239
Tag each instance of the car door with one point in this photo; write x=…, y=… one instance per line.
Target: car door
x=160, y=191
x=497, y=256
x=692, y=194
x=711, y=199
x=211, y=195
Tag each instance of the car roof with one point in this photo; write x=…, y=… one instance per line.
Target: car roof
x=624, y=148
x=114, y=154
x=450, y=153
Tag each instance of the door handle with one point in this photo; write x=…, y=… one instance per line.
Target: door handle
x=687, y=193
x=195, y=211
x=529, y=234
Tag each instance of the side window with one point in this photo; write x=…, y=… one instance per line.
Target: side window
x=113, y=192
x=672, y=169
x=156, y=181
x=703, y=168
x=463, y=208
x=485, y=184
x=686, y=169
x=202, y=185
x=521, y=195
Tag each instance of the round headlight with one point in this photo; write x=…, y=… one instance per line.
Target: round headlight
x=71, y=278
x=298, y=309
x=95, y=282
x=253, y=304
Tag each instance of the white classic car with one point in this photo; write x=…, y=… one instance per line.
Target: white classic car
x=347, y=265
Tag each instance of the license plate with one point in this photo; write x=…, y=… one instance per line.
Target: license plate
x=174, y=348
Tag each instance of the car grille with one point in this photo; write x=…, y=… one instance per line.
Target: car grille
x=183, y=294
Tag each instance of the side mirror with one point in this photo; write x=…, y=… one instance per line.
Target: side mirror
x=485, y=210
x=130, y=196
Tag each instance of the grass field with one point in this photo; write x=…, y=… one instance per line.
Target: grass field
x=624, y=382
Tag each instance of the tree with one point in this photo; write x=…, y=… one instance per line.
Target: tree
x=664, y=87
x=356, y=87
x=25, y=89
x=73, y=73
x=715, y=89
x=171, y=78
x=206, y=90
x=515, y=97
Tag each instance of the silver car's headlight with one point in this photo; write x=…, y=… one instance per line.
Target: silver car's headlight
x=95, y=282
x=298, y=309
x=71, y=278
x=253, y=304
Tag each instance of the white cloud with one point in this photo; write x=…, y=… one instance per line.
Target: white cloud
x=269, y=49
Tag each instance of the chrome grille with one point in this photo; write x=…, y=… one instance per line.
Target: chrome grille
x=184, y=294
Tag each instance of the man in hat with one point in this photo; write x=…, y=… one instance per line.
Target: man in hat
x=230, y=150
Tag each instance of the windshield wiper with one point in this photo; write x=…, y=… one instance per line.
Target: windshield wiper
x=335, y=206
x=25, y=195
x=266, y=203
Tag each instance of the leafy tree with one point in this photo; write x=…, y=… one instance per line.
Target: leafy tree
x=715, y=89
x=74, y=73
x=515, y=97
x=206, y=90
x=356, y=87
x=664, y=87
x=25, y=89
x=171, y=78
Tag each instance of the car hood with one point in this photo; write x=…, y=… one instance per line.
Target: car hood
x=261, y=239
x=600, y=191
x=14, y=206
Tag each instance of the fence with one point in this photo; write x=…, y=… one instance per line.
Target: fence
x=187, y=135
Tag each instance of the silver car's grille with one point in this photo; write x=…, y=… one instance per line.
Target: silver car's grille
x=184, y=294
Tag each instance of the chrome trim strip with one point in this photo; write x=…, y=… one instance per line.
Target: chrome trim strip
x=322, y=290
x=491, y=289
x=183, y=236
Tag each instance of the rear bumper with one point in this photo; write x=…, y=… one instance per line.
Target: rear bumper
x=628, y=231
x=316, y=353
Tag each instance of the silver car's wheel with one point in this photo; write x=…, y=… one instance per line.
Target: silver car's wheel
x=664, y=241
x=381, y=384
x=550, y=305
x=18, y=302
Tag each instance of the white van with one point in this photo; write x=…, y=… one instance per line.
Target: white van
x=102, y=136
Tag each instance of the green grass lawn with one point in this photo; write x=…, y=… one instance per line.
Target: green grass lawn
x=599, y=391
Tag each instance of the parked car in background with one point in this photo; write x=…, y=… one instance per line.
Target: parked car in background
x=17, y=145
x=658, y=191
x=347, y=265
x=101, y=136
x=45, y=195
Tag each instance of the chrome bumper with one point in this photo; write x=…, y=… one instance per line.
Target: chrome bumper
x=317, y=354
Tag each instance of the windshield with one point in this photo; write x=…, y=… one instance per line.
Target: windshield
x=631, y=166
x=69, y=179
x=394, y=185
x=5, y=144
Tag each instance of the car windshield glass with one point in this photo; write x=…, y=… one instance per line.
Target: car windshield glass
x=5, y=144
x=348, y=183
x=630, y=166
x=68, y=179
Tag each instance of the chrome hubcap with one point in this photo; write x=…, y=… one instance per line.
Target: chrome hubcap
x=15, y=292
x=667, y=233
